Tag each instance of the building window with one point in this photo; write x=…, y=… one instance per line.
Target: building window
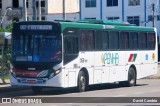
x=150, y=17
x=91, y=18
x=90, y=3
x=158, y=17
x=15, y=3
x=133, y=2
x=42, y=3
x=133, y=20
x=112, y=3
x=113, y=18
x=27, y=3
x=43, y=18
x=0, y=4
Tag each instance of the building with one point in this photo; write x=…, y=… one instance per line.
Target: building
x=50, y=10
x=137, y=12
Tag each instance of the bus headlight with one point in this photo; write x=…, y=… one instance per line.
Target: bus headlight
x=56, y=72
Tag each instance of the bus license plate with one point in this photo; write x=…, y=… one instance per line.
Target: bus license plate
x=31, y=81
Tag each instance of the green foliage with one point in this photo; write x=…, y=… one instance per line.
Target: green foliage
x=8, y=28
x=4, y=71
x=6, y=63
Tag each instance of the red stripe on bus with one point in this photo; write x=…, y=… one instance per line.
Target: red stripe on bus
x=130, y=58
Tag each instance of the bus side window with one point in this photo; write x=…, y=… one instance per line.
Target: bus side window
x=99, y=39
x=151, y=41
x=83, y=41
x=71, y=45
x=90, y=40
x=87, y=40
x=102, y=40
x=123, y=40
x=142, y=40
x=113, y=40
x=105, y=38
x=133, y=41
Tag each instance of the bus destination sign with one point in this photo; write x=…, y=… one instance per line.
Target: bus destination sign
x=35, y=27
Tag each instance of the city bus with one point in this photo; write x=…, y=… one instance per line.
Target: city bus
x=81, y=53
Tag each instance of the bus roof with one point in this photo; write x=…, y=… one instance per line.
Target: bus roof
x=97, y=24
x=104, y=24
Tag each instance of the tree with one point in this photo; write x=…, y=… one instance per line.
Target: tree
x=7, y=53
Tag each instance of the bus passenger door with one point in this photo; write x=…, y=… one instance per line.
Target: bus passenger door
x=71, y=58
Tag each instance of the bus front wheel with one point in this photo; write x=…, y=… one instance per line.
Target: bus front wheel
x=82, y=82
x=36, y=89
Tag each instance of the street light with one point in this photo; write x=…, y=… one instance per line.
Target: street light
x=10, y=9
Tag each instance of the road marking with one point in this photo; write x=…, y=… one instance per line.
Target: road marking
x=155, y=91
x=138, y=93
x=119, y=95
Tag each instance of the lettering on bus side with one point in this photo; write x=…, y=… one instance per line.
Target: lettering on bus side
x=110, y=58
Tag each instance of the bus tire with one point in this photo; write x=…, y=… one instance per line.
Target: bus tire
x=36, y=89
x=82, y=81
x=131, y=77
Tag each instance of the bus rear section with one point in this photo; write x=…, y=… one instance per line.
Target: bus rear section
x=36, y=57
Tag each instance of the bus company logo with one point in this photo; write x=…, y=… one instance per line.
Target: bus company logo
x=132, y=58
x=153, y=56
x=110, y=58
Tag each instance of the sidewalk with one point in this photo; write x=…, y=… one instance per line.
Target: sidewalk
x=8, y=88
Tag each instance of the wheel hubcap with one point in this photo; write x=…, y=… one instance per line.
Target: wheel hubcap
x=82, y=79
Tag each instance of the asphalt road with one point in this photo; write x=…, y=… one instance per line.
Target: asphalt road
x=146, y=89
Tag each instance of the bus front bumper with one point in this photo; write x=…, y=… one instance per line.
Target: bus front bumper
x=46, y=82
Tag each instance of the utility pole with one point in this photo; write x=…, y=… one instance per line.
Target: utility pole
x=24, y=11
x=39, y=9
x=64, y=10
x=34, y=10
x=153, y=17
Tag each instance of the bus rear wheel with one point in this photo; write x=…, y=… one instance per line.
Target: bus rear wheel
x=131, y=77
x=36, y=89
x=82, y=82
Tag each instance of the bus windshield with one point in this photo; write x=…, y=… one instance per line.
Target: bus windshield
x=39, y=47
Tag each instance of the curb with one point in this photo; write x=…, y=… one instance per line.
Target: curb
x=152, y=77
x=14, y=88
